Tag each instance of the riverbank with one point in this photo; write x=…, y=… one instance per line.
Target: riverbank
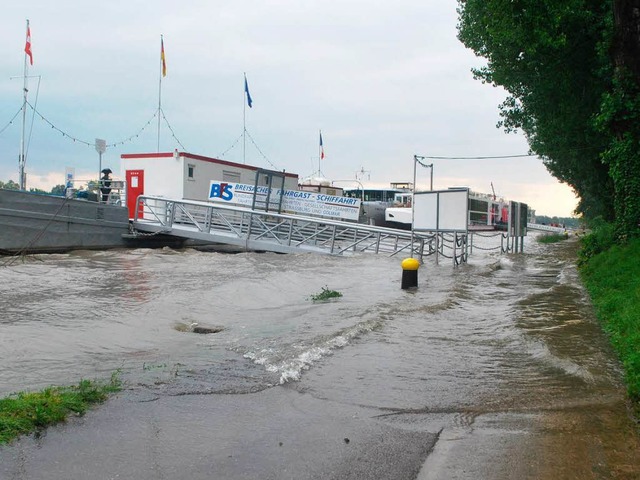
x=27, y=412
x=612, y=278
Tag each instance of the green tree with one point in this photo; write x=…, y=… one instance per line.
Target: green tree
x=620, y=115
x=58, y=190
x=10, y=185
x=548, y=55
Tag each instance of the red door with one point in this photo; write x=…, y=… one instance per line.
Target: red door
x=135, y=188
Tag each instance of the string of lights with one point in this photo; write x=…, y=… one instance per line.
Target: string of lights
x=171, y=130
x=84, y=142
x=136, y=135
x=231, y=147
x=258, y=148
x=11, y=121
x=64, y=134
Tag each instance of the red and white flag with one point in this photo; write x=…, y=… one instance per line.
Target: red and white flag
x=27, y=45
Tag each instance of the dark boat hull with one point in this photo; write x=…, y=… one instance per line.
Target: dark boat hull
x=32, y=223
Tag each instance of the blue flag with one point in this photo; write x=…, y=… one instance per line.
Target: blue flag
x=246, y=89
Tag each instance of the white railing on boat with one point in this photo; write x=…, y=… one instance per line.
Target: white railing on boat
x=91, y=190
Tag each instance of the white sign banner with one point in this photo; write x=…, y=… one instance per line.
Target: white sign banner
x=441, y=210
x=295, y=201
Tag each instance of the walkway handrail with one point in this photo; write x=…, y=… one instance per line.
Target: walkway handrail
x=279, y=232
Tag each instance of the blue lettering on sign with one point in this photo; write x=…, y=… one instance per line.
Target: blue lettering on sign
x=223, y=191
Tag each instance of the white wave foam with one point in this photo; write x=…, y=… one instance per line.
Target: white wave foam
x=291, y=360
x=541, y=351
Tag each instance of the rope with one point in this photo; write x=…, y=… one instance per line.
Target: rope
x=482, y=158
x=33, y=115
x=487, y=235
x=422, y=164
x=487, y=249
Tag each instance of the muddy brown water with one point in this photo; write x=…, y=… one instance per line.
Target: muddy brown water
x=502, y=357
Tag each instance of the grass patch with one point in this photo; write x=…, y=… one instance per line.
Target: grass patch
x=552, y=237
x=325, y=294
x=612, y=278
x=27, y=412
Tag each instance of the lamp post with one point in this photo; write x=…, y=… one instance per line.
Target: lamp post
x=101, y=147
x=417, y=160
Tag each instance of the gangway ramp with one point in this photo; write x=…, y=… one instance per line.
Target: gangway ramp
x=254, y=230
x=546, y=228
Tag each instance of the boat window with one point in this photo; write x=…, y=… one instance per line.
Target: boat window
x=191, y=171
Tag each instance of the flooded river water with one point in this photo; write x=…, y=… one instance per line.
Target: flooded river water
x=508, y=339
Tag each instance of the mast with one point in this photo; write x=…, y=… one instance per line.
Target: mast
x=22, y=159
x=320, y=153
x=244, y=110
x=163, y=72
x=244, y=118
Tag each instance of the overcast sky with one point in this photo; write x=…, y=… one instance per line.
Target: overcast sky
x=382, y=80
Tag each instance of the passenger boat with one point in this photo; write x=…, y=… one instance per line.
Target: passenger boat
x=375, y=202
x=485, y=212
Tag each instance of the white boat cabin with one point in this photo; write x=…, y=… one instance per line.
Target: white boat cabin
x=186, y=176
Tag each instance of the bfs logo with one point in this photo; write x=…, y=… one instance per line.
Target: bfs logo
x=223, y=191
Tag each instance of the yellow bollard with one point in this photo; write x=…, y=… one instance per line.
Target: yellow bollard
x=410, y=273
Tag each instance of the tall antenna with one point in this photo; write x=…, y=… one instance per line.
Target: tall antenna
x=360, y=174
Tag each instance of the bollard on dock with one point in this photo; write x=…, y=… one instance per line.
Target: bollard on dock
x=410, y=273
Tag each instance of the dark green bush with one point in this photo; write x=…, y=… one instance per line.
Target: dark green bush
x=601, y=239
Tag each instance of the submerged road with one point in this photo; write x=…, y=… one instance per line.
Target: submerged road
x=495, y=370
x=284, y=433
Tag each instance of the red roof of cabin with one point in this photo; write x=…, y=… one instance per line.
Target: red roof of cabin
x=196, y=157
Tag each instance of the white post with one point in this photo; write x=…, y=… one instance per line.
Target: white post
x=101, y=147
x=413, y=200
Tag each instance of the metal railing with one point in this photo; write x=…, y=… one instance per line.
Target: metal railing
x=92, y=190
x=284, y=233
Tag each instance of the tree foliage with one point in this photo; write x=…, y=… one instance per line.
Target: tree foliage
x=620, y=114
x=9, y=185
x=58, y=190
x=555, y=58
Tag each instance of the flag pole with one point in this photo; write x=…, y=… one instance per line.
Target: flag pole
x=162, y=71
x=244, y=124
x=319, y=151
x=22, y=160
